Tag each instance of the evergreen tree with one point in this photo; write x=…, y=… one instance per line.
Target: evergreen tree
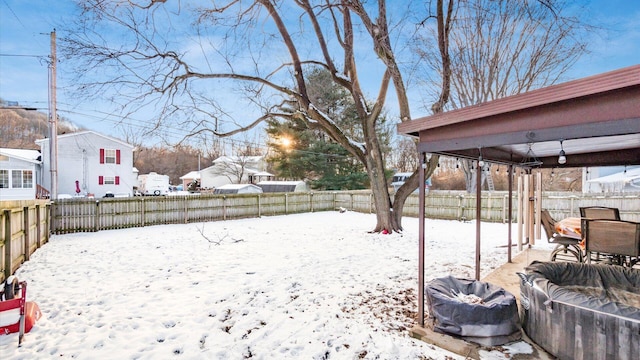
x=300, y=152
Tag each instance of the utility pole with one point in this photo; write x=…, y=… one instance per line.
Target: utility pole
x=53, y=122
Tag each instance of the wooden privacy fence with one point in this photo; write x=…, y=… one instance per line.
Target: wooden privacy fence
x=23, y=229
x=82, y=215
x=26, y=225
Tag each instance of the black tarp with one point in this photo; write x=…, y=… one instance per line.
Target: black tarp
x=494, y=321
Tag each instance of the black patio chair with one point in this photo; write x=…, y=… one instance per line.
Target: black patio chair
x=598, y=212
x=617, y=239
x=565, y=245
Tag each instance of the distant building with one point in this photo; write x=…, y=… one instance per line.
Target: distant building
x=20, y=174
x=283, y=186
x=233, y=170
x=238, y=189
x=90, y=163
x=188, y=178
x=611, y=179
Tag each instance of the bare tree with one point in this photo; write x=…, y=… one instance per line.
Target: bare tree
x=502, y=48
x=405, y=156
x=241, y=62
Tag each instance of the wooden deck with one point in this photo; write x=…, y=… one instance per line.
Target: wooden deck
x=505, y=277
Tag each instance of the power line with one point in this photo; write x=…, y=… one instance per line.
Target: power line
x=23, y=55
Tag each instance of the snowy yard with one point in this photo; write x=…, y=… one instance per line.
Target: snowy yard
x=305, y=286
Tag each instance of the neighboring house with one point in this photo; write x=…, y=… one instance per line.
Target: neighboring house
x=238, y=189
x=189, y=178
x=283, y=186
x=20, y=174
x=232, y=170
x=90, y=163
x=613, y=179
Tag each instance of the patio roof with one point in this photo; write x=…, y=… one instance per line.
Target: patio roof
x=597, y=119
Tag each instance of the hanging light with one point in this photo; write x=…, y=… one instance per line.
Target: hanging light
x=480, y=160
x=562, y=158
x=530, y=159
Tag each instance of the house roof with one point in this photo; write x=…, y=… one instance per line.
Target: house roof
x=85, y=132
x=238, y=159
x=622, y=177
x=597, y=119
x=22, y=154
x=191, y=175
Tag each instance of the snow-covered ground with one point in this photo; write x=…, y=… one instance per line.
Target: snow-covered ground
x=304, y=286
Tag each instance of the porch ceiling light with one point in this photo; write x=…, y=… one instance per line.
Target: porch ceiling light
x=562, y=158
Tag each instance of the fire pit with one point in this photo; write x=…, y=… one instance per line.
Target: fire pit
x=475, y=311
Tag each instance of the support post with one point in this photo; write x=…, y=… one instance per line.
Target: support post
x=478, y=216
x=421, y=247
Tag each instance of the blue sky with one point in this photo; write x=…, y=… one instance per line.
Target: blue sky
x=25, y=28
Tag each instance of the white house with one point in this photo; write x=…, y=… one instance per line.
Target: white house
x=611, y=179
x=188, y=178
x=283, y=186
x=238, y=189
x=232, y=170
x=20, y=171
x=90, y=163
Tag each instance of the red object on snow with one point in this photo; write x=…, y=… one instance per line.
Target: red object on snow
x=18, y=315
x=385, y=231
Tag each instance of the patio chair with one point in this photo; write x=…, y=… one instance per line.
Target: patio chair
x=598, y=212
x=618, y=239
x=565, y=245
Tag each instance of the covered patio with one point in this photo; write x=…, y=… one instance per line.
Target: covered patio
x=594, y=121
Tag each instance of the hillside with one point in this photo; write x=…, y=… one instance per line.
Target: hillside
x=19, y=129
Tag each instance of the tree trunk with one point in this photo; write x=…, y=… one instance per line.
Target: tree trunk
x=409, y=186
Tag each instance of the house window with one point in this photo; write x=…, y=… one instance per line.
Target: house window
x=109, y=156
x=4, y=179
x=16, y=178
x=21, y=179
x=27, y=179
x=108, y=180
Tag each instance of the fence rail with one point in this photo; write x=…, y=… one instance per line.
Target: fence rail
x=23, y=229
x=25, y=226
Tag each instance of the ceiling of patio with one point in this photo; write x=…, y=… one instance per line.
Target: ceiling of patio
x=597, y=119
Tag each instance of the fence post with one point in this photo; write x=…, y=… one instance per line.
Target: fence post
x=335, y=194
x=48, y=220
x=259, y=210
x=186, y=210
x=142, y=211
x=52, y=221
x=8, y=259
x=26, y=232
x=38, y=231
x=286, y=203
x=224, y=208
x=311, y=201
x=96, y=219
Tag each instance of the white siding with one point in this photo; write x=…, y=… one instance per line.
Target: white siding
x=11, y=163
x=79, y=160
